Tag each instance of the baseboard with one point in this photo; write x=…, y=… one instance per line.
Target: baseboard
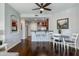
x=13, y=45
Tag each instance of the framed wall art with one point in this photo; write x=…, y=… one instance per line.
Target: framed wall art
x=13, y=23
x=63, y=23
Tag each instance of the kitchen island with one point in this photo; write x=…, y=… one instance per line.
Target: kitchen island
x=41, y=35
x=41, y=39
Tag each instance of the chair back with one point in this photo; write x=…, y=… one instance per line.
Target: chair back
x=50, y=34
x=74, y=37
x=56, y=36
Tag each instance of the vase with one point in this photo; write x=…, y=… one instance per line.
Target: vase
x=59, y=31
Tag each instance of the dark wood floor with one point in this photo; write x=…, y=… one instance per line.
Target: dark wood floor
x=28, y=48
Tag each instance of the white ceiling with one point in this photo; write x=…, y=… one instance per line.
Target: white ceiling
x=26, y=8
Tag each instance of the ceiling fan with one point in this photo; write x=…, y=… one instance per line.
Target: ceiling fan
x=42, y=7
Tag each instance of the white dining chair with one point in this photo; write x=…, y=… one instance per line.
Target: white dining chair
x=58, y=40
x=72, y=42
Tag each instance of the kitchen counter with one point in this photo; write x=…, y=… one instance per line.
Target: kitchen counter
x=41, y=35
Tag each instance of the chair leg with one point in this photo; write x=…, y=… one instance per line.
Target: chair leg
x=59, y=49
x=53, y=47
x=68, y=50
x=75, y=50
x=64, y=50
x=64, y=47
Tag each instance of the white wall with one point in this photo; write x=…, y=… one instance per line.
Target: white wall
x=12, y=38
x=2, y=21
x=2, y=16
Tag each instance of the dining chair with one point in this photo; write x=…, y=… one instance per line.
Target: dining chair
x=72, y=42
x=57, y=39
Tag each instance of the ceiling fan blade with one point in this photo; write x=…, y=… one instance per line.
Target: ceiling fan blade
x=46, y=4
x=36, y=9
x=47, y=9
x=38, y=4
x=41, y=11
x=41, y=4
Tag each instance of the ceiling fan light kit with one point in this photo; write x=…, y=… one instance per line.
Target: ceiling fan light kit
x=42, y=7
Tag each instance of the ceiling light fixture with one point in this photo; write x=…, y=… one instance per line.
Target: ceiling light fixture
x=41, y=9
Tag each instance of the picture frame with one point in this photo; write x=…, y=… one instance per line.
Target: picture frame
x=63, y=23
x=13, y=23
